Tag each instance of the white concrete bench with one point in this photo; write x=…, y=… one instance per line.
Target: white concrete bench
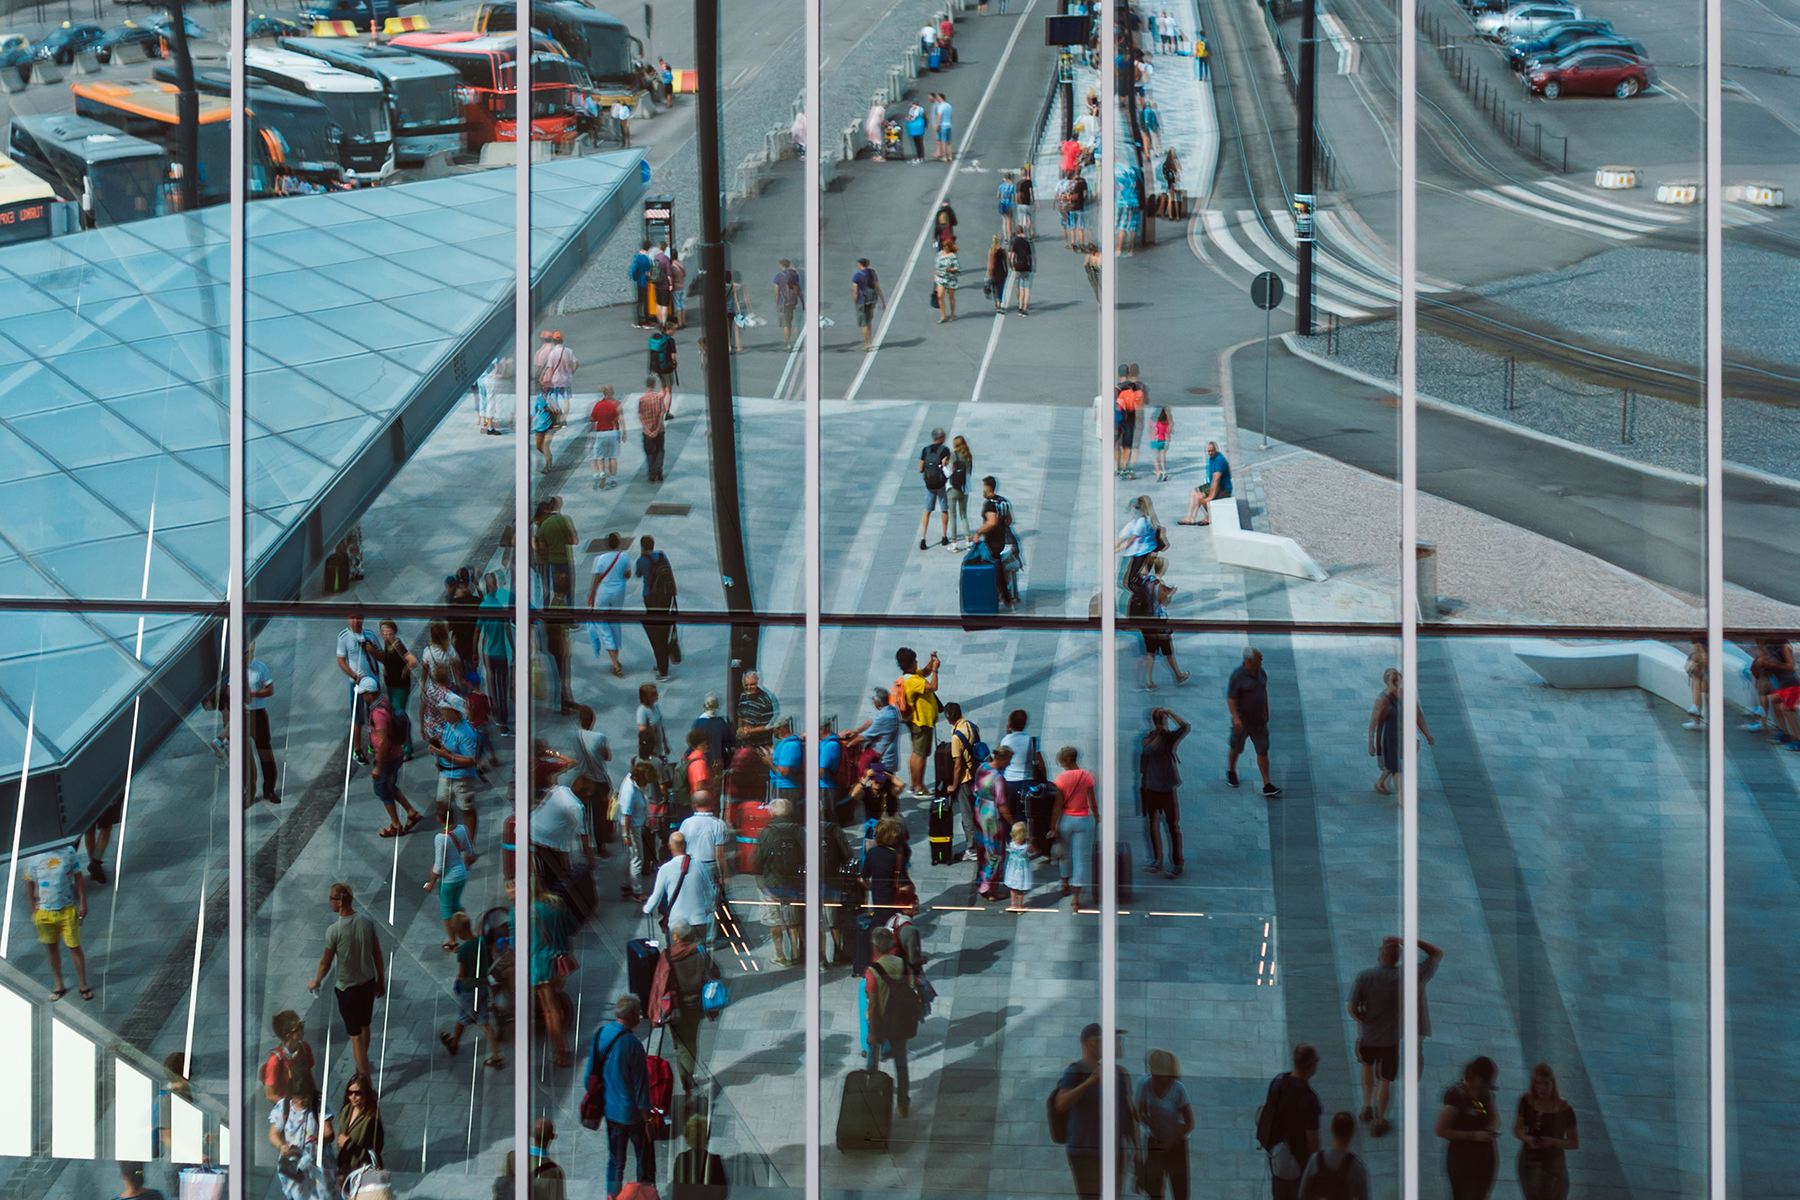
x=1240, y=547
x=1656, y=667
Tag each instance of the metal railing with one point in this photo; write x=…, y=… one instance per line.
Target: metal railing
x=1324, y=163
x=1507, y=116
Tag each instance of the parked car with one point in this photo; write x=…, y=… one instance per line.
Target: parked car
x=68, y=40
x=161, y=23
x=19, y=59
x=1547, y=42
x=1523, y=19
x=1593, y=73
x=129, y=34
x=359, y=11
x=263, y=25
x=1607, y=43
x=14, y=41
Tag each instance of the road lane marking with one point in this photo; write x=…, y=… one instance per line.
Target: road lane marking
x=988, y=356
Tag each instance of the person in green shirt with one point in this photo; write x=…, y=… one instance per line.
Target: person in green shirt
x=554, y=545
x=471, y=991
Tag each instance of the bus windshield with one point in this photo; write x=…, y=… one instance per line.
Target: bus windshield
x=426, y=100
x=358, y=114
x=126, y=189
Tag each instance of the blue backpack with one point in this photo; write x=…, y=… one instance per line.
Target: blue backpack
x=978, y=750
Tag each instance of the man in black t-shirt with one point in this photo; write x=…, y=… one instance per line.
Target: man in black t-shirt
x=934, y=468
x=996, y=531
x=1247, y=696
x=1296, y=1122
x=1023, y=264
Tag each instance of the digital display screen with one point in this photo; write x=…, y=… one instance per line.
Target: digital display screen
x=24, y=221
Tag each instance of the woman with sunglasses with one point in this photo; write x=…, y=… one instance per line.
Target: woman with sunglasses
x=360, y=1136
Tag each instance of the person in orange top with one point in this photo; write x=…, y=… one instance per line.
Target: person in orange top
x=1128, y=402
x=1073, y=822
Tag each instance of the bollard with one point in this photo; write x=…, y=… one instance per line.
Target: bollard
x=1425, y=556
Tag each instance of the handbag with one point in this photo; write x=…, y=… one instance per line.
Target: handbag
x=200, y=1183
x=674, y=641
x=714, y=996
x=563, y=965
x=934, y=298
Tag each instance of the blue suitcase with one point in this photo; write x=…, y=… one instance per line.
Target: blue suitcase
x=980, y=587
x=937, y=58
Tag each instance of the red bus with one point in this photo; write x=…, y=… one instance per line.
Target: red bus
x=487, y=74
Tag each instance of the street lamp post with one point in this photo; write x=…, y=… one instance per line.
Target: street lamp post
x=721, y=415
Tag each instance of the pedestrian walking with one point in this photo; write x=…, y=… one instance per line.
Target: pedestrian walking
x=1023, y=260
x=996, y=533
x=353, y=952
x=652, y=734
x=358, y=657
x=304, y=1134
x=661, y=348
x=1171, y=177
x=1384, y=731
x=737, y=307
x=1018, y=867
x=789, y=295
x=660, y=592
x=618, y=1073
x=1007, y=195
x=1247, y=696
x=865, y=293
x=607, y=590
x=607, y=420
x=1334, y=1171
x=56, y=891
x=944, y=224
x=543, y=426
x=995, y=286
x=1546, y=1129
x=389, y=730
x=780, y=866
x=709, y=840
x=471, y=991
x=1159, y=769
x=653, y=411
x=964, y=763
x=1216, y=487
x=946, y=268
x=1073, y=822
x=642, y=273
x=1025, y=205
x=360, y=1134
x=259, y=686
x=1696, y=677
x=962, y=470
x=1469, y=1122
x=291, y=1058
x=451, y=856
x=1077, y=1101
x=1168, y=1117
x=1090, y=266
x=934, y=471
x=1024, y=767
x=1138, y=542
x=621, y=115
x=681, y=893
x=875, y=124
x=1128, y=406
x=675, y=997
x=497, y=646
x=721, y=740
x=551, y=927
x=677, y=290
x=554, y=366
x=1292, y=1110
x=397, y=667
x=1160, y=430
x=888, y=990
x=1375, y=1006
x=554, y=542
x=945, y=127
x=915, y=693
x=457, y=748
x=1149, y=600
x=884, y=869
x=787, y=763
x=633, y=817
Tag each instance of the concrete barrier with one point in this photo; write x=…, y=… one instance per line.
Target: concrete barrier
x=1655, y=667
x=87, y=63
x=10, y=83
x=1239, y=547
x=44, y=70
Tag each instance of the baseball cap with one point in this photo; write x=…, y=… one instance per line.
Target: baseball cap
x=366, y=686
x=452, y=700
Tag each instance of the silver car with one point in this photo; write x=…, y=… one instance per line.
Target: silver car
x=1523, y=19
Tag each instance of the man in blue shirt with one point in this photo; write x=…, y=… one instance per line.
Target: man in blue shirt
x=458, y=751
x=1216, y=487
x=617, y=1067
x=641, y=270
x=787, y=765
x=883, y=731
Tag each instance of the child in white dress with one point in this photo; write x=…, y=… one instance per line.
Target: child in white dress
x=1018, y=867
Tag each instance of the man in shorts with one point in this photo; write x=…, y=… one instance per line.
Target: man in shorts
x=677, y=288
x=919, y=709
x=55, y=890
x=388, y=745
x=865, y=290
x=787, y=298
x=1376, y=1008
x=358, y=656
x=608, y=420
x=934, y=468
x=458, y=751
x=352, y=946
x=1247, y=696
x=1024, y=266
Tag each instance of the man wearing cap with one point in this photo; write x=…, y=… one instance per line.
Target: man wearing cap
x=359, y=657
x=1078, y=1096
x=457, y=750
x=388, y=745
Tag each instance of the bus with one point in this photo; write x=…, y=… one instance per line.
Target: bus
x=423, y=109
x=485, y=66
x=115, y=177
x=24, y=204
x=146, y=109
x=295, y=131
x=357, y=104
x=596, y=40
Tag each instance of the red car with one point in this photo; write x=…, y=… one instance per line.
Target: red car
x=1595, y=73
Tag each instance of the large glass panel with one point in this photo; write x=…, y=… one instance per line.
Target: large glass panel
x=113, y=984
x=1010, y=955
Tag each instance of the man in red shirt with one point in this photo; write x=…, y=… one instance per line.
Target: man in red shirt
x=653, y=410
x=608, y=420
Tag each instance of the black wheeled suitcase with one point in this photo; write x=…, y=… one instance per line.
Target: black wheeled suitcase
x=640, y=968
x=337, y=572
x=941, y=829
x=1040, y=805
x=866, y=1115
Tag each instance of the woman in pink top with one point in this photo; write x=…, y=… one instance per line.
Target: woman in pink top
x=1073, y=823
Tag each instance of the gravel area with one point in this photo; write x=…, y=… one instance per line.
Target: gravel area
x=1488, y=571
x=766, y=101
x=1659, y=432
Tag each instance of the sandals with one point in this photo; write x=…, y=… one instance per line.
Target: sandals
x=59, y=993
x=448, y=947
x=448, y=1044
x=391, y=831
x=561, y=1060
x=412, y=822
x=494, y=1061
x=618, y=672
x=87, y=993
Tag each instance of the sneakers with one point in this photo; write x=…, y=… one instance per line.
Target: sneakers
x=1367, y=1114
x=271, y=797
x=1175, y=871
x=969, y=856
x=1754, y=726
x=1155, y=868
x=1231, y=778
x=1693, y=710
x=922, y=544
x=1270, y=789
x=943, y=541
x=1696, y=723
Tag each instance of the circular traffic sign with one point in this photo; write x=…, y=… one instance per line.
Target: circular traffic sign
x=1265, y=290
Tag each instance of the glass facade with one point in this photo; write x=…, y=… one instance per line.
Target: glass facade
x=917, y=537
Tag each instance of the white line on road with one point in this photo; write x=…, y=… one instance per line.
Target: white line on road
x=987, y=357
x=931, y=217
x=788, y=369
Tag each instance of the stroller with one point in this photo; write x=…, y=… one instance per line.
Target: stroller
x=890, y=140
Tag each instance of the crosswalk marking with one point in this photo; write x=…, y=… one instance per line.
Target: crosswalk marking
x=1324, y=260
x=1337, y=232
x=1252, y=228
x=1632, y=210
x=1544, y=214
x=1328, y=296
x=1530, y=197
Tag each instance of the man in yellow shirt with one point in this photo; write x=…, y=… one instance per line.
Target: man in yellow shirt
x=918, y=704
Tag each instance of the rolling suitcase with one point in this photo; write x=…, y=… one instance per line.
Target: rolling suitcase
x=940, y=829
x=662, y=1094
x=1040, y=804
x=936, y=61
x=867, y=1113
x=980, y=587
x=337, y=564
x=640, y=967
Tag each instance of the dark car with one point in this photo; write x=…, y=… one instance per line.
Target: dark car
x=359, y=11
x=129, y=34
x=263, y=25
x=68, y=40
x=1552, y=40
x=161, y=24
x=1593, y=73
x=1609, y=43
x=19, y=59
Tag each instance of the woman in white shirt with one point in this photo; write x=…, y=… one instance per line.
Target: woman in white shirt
x=1138, y=540
x=634, y=808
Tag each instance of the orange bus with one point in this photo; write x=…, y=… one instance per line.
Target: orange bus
x=487, y=70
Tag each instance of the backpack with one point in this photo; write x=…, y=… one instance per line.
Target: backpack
x=1329, y=1183
x=781, y=856
x=662, y=357
x=977, y=749
x=934, y=468
x=1268, y=1116
x=845, y=775
x=900, y=1015
x=897, y=698
x=662, y=582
